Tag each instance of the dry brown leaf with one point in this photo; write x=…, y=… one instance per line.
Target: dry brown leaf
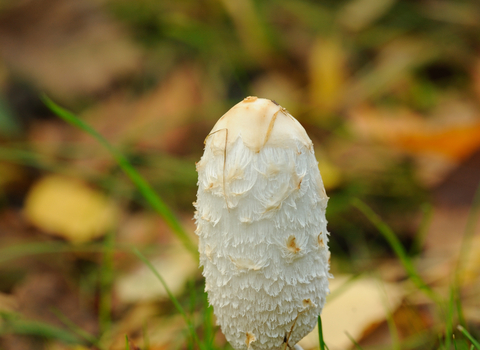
x=364, y=302
x=455, y=143
x=163, y=332
x=69, y=208
x=410, y=321
x=66, y=47
x=48, y=137
x=40, y=294
x=156, y=119
x=11, y=174
x=141, y=229
x=176, y=266
x=451, y=138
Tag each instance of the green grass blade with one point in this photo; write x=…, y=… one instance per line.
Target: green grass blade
x=397, y=247
x=90, y=338
x=146, y=337
x=421, y=234
x=208, y=330
x=143, y=186
x=127, y=343
x=19, y=250
x=106, y=283
x=357, y=346
x=475, y=343
x=171, y=296
x=13, y=324
x=449, y=316
x=321, y=340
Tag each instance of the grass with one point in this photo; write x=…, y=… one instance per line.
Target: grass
x=452, y=307
x=13, y=323
x=397, y=247
x=143, y=186
x=474, y=342
x=321, y=340
x=173, y=299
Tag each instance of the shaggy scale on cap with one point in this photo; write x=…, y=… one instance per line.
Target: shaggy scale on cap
x=261, y=225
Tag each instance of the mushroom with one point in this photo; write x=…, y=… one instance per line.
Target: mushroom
x=260, y=215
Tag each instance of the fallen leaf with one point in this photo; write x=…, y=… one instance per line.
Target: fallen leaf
x=155, y=120
x=41, y=294
x=142, y=228
x=176, y=266
x=411, y=321
x=438, y=143
x=362, y=302
x=142, y=325
x=69, y=208
x=66, y=47
x=11, y=175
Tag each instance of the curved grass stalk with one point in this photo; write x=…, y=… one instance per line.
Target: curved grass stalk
x=143, y=186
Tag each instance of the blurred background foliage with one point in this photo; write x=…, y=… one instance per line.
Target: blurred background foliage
x=388, y=90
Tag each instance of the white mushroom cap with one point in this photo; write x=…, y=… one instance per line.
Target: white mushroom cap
x=262, y=227
x=260, y=122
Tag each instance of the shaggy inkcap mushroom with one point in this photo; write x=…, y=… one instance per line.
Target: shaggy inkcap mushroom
x=261, y=226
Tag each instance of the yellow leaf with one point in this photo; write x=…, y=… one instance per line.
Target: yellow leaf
x=362, y=302
x=175, y=267
x=327, y=74
x=39, y=42
x=69, y=208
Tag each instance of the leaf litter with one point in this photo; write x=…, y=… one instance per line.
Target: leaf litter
x=388, y=90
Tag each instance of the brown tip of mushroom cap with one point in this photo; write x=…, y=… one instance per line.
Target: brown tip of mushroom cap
x=259, y=122
x=250, y=99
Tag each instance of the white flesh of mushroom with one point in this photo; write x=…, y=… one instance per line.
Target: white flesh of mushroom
x=261, y=226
